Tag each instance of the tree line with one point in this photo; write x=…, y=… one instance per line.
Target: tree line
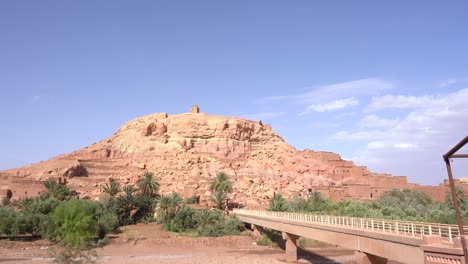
x=408, y=205
x=80, y=224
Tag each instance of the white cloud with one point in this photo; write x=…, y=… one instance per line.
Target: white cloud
x=332, y=96
x=375, y=145
x=398, y=101
x=414, y=144
x=375, y=121
x=332, y=106
x=451, y=82
x=405, y=146
x=357, y=136
x=346, y=89
x=447, y=83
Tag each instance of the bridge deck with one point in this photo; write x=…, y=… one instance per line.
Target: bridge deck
x=396, y=240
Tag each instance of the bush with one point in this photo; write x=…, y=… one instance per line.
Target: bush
x=232, y=226
x=215, y=230
x=192, y=200
x=264, y=240
x=107, y=223
x=277, y=203
x=8, y=225
x=209, y=223
x=183, y=220
x=205, y=218
x=72, y=224
x=67, y=254
x=311, y=243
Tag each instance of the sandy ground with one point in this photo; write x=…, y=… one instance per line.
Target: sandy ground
x=149, y=244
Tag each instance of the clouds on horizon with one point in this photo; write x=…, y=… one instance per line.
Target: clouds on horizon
x=431, y=125
x=453, y=81
x=394, y=133
x=327, y=98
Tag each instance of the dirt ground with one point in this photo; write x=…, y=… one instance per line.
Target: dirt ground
x=149, y=244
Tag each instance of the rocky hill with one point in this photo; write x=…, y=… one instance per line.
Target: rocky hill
x=186, y=150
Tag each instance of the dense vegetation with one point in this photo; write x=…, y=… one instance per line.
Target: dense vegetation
x=61, y=217
x=178, y=217
x=410, y=205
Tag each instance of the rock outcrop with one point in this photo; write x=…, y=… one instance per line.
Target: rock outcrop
x=186, y=150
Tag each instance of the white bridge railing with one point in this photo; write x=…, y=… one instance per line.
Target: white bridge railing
x=400, y=228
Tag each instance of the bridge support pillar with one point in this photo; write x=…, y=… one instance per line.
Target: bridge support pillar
x=366, y=258
x=257, y=231
x=291, y=246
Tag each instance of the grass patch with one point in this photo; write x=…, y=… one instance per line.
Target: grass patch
x=311, y=243
x=270, y=237
x=264, y=241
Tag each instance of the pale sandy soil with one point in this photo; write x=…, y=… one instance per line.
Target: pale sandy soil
x=149, y=244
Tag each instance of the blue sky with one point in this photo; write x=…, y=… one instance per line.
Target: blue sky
x=383, y=84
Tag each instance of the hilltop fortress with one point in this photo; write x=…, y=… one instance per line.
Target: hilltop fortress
x=186, y=150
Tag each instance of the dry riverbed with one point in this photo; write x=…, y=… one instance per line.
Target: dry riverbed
x=149, y=244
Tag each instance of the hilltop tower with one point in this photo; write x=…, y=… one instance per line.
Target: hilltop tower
x=194, y=109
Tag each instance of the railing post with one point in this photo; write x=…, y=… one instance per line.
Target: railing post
x=412, y=228
x=352, y=223
x=450, y=233
x=383, y=226
x=430, y=230
x=361, y=223
x=396, y=226
x=372, y=224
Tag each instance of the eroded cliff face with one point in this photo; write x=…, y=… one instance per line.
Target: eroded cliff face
x=185, y=151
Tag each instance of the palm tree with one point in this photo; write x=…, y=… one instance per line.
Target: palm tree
x=56, y=190
x=221, y=183
x=148, y=185
x=24, y=203
x=113, y=188
x=126, y=202
x=128, y=194
x=219, y=198
x=205, y=218
x=277, y=203
x=168, y=206
x=163, y=210
x=176, y=202
x=460, y=194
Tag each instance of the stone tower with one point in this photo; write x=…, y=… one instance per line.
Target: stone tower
x=194, y=109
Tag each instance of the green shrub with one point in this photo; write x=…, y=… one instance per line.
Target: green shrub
x=311, y=243
x=192, y=200
x=107, y=223
x=205, y=218
x=277, y=203
x=183, y=220
x=8, y=225
x=67, y=255
x=264, y=240
x=232, y=226
x=215, y=230
x=72, y=224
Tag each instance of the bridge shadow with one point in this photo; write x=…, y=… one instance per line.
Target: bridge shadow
x=313, y=255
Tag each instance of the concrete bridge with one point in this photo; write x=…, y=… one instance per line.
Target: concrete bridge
x=375, y=240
